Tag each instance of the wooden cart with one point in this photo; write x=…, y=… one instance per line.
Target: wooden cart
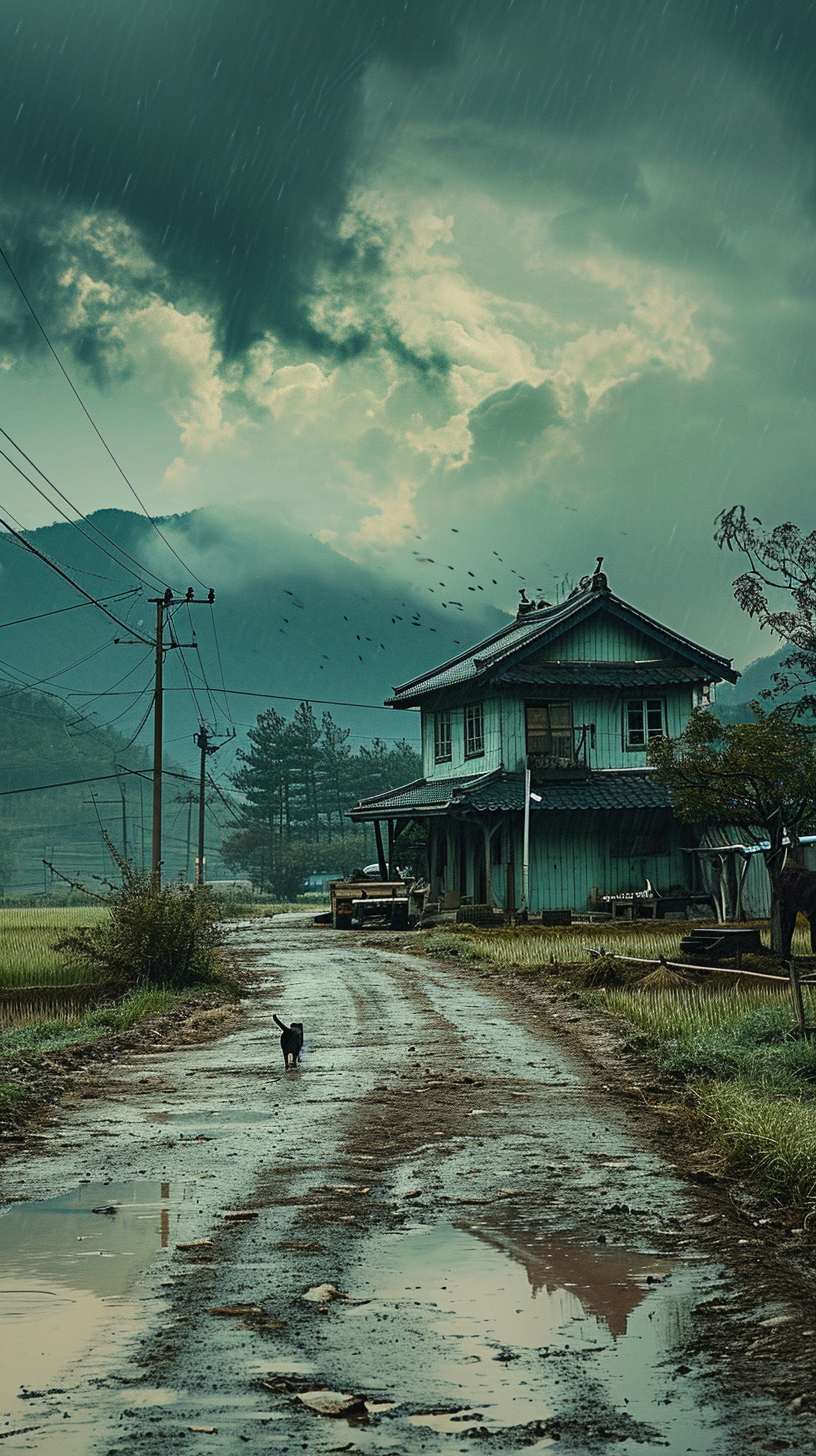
x=401, y=902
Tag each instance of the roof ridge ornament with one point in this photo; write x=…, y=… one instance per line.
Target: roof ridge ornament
x=597, y=580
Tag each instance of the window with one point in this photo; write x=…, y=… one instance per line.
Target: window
x=549, y=729
x=442, y=737
x=474, y=730
x=644, y=721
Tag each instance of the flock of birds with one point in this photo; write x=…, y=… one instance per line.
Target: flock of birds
x=445, y=603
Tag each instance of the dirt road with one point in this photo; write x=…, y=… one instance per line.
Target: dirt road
x=451, y=1214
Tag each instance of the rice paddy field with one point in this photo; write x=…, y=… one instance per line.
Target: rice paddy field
x=532, y=946
x=27, y=940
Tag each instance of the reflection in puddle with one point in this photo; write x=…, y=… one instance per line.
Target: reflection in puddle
x=513, y=1325
x=63, y=1266
x=609, y=1281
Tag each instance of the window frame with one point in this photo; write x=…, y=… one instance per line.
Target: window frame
x=474, y=742
x=549, y=752
x=645, y=706
x=441, y=719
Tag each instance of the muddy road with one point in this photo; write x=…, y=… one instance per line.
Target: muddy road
x=448, y=1213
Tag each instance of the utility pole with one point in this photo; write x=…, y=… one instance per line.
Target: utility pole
x=203, y=741
x=164, y=606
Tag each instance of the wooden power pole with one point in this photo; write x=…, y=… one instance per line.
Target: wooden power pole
x=203, y=741
x=163, y=607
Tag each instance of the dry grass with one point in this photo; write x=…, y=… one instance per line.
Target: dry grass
x=531, y=946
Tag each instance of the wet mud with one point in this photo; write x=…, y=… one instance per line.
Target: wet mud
x=450, y=1223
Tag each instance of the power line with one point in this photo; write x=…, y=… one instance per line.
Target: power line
x=64, y=784
x=38, y=616
x=91, y=420
x=42, y=557
x=81, y=514
x=245, y=693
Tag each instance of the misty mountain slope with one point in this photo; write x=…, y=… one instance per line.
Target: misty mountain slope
x=292, y=616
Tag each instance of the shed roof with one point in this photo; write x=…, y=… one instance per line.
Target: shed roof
x=493, y=658
x=504, y=792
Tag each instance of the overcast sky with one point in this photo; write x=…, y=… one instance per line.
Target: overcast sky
x=429, y=279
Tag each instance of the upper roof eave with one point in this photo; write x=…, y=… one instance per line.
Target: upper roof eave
x=538, y=626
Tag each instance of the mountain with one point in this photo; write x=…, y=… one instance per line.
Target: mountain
x=733, y=699
x=292, y=620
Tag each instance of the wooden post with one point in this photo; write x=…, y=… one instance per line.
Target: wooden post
x=158, y=746
x=392, y=839
x=380, y=851
x=796, y=993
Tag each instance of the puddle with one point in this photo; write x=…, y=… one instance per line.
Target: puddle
x=212, y=1117
x=513, y=1325
x=66, y=1272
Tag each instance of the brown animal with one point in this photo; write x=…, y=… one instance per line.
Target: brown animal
x=797, y=892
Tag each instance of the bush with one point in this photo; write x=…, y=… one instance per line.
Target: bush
x=155, y=935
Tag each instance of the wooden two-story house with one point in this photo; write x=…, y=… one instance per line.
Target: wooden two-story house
x=570, y=695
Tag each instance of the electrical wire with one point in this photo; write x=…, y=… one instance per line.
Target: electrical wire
x=220, y=663
x=42, y=557
x=81, y=514
x=91, y=420
x=56, y=611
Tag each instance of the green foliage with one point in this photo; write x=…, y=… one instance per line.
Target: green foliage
x=299, y=778
x=51, y=1034
x=782, y=560
x=771, y=1138
x=760, y=774
x=43, y=742
x=159, y=935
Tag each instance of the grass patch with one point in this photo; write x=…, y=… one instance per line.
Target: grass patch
x=773, y=1140
x=753, y=1079
x=52, y=1035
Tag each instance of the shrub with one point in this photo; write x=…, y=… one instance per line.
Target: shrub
x=155, y=935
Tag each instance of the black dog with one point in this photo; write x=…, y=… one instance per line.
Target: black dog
x=291, y=1041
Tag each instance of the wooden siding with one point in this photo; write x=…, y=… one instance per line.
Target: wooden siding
x=572, y=854
x=606, y=712
x=459, y=764
x=602, y=639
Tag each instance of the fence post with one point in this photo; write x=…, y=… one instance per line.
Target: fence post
x=796, y=993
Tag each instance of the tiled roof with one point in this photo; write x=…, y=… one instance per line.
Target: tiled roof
x=505, y=791
x=487, y=656
x=599, y=674
x=601, y=791
x=425, y=792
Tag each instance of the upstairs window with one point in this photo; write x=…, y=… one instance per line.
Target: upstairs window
x=442, y=737
x=549, y=729
x=644, y=721
x=474, y=730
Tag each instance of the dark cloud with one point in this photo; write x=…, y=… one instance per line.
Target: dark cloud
x=511, y=418
x=228, y=131
x=224, y=130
